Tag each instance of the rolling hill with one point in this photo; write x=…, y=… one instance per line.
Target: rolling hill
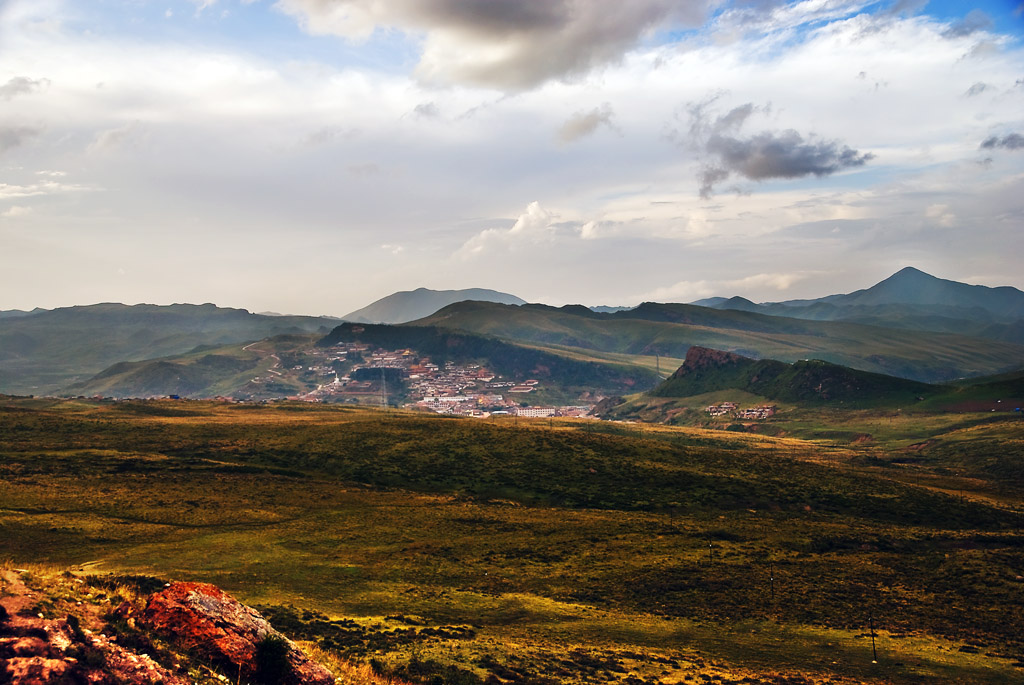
x=45, y=351
x=804, y=382
x=409, y=305
x=281, y=366
x=671, y=329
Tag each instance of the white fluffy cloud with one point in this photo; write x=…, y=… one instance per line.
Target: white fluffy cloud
x=533, y=227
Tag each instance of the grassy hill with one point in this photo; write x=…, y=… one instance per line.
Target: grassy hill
x=460, y=551
x=45, y=351
x=670, y=329
x=804, y=382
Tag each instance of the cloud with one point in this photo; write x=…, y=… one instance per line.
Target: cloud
x=1011, y=141
x=941, y=215
x=977, y=89
x=972, y=22
x=16, y=211
x=202, y=5
x=534, y=226
x=583, y=124
x=364, y=170
x=10, y=191
x=13, y=136
x=114, y=138
x=426, y=110
x=763, y=156
x=21, y=85
x=753, y=287
x=504, y=45
x=783, y=155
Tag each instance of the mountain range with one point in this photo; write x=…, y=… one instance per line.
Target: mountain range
x=911, y=325
x=669, y=330
x=45, y=351
x=909, y=299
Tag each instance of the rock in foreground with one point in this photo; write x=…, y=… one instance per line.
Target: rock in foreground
x=206, y=620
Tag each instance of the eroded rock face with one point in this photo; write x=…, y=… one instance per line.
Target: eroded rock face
x=205, y=619
x=39, y=651
x=699, y=358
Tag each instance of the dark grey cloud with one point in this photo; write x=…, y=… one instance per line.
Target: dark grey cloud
x=762, y=156
x=1011, y=141
x=511, y=44
x=972, y=22
x=13, y=136
x=779, y=155
x=426, y=110
x=582, y=124
x=21, y=85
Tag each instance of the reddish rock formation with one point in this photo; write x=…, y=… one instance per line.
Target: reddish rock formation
x=38, y=651
x=205, y=619
x=698, y=358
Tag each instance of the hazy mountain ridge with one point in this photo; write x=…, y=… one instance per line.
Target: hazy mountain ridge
x=671, y=329
x=49, y=350
x=409, y=305
x=908, y=299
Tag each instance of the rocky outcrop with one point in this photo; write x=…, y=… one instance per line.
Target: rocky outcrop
x=204, y=619
x=699, y=358
x=35, y=650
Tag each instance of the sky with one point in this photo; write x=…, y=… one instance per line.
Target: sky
x=311, y=156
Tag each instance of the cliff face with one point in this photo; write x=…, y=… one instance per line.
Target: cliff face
x=700, y=358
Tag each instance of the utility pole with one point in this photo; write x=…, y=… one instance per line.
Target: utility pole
x=874, y=654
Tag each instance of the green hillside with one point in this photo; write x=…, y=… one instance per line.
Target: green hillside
x=161, y=377
x=805, y=382
x=670, y=329
x=43, y=352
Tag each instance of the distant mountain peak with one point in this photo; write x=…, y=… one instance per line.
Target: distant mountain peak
x=410, y=305
x=909, y=273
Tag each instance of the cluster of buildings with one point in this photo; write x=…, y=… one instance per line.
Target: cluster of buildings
x=732, y=409
x=374, y=375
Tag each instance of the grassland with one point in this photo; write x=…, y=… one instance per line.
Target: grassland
x=461, y=551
